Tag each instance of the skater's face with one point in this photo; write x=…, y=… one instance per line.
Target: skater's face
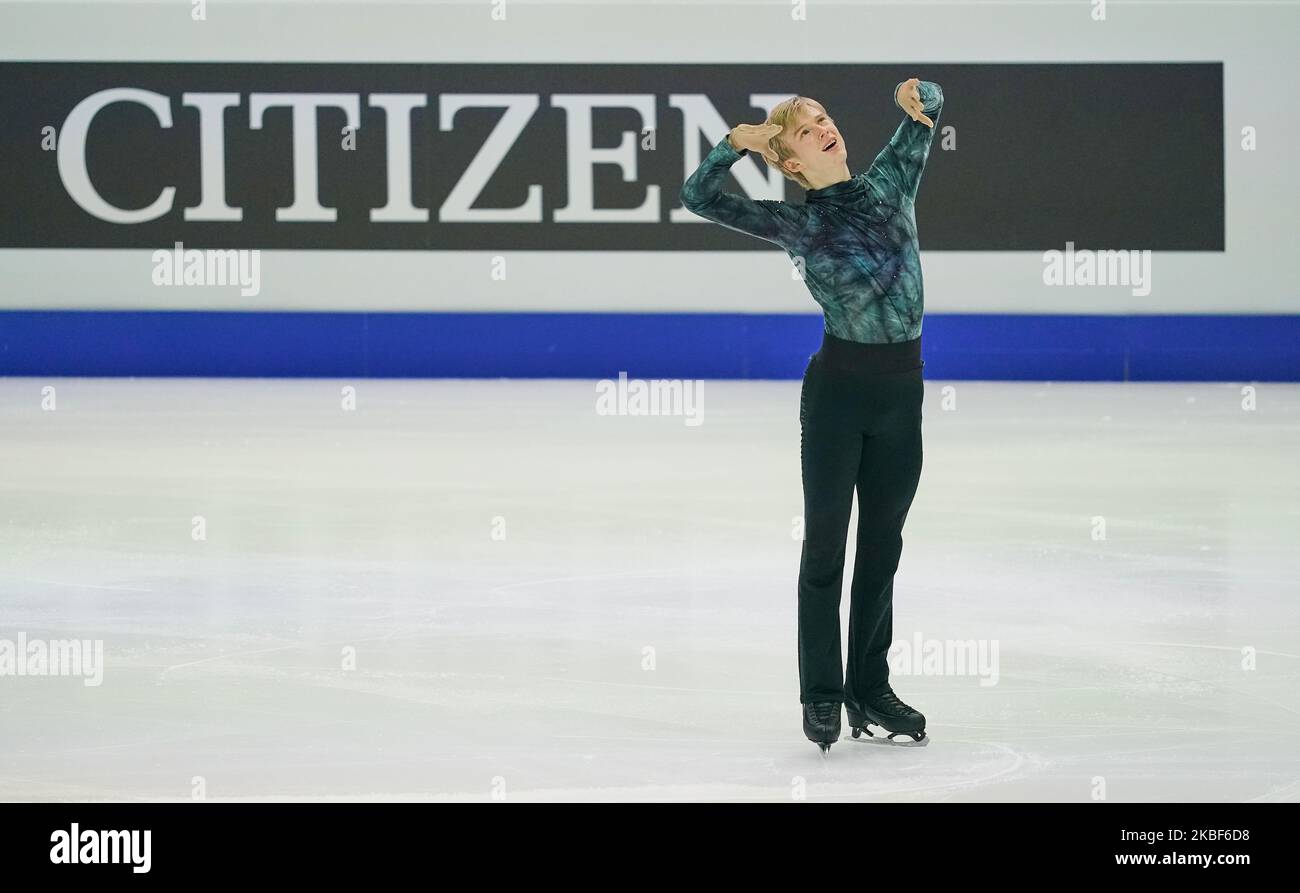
x=818, y=148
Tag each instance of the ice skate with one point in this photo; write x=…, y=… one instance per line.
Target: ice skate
x=883, y=708
x=821, y=723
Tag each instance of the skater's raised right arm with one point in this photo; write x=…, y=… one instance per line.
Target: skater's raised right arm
x=702, y=193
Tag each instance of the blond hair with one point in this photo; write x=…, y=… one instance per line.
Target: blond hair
x=786, y=113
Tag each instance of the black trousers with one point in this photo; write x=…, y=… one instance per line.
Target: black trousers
x=860, y=423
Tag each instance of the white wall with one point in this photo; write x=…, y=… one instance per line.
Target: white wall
x=1255, y=41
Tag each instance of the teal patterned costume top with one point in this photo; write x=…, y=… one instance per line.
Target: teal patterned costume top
x=857, y=238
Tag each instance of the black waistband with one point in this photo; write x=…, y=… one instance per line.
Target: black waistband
x=855, y=356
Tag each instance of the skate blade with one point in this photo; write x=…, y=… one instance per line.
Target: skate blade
x=900, y=739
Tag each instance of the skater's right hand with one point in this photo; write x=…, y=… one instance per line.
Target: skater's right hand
x=755, y=138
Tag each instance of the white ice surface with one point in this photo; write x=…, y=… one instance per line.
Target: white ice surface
x=520, y=664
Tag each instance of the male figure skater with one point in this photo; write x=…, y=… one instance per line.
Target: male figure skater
x=855, y=242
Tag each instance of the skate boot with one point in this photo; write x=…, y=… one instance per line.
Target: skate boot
x=883, y=708
x=821, y=723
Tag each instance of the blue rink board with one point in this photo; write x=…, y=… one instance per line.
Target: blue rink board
x=644, y=345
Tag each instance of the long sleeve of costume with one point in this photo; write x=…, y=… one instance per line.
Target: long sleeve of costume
x=901, y=162
x=702, y=194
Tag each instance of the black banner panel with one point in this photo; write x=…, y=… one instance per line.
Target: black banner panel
x=582, y=156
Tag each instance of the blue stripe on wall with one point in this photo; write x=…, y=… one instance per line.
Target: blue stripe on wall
x=644, y=345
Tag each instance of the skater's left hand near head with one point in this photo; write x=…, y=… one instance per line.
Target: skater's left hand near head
x=908, y=96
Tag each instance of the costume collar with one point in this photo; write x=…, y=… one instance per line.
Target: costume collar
x=844, y=188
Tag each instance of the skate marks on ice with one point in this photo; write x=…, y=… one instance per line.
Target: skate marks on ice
x=899, y=771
